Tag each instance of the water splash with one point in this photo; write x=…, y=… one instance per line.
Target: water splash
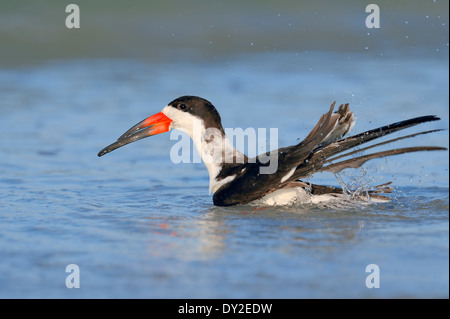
x=357, y=187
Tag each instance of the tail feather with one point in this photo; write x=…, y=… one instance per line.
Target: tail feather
x=323, y=154
x=322, y=189
x=383, y=188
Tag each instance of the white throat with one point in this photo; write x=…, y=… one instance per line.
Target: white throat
x=214, y=147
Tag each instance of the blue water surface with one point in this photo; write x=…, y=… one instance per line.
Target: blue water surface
x=140, y=226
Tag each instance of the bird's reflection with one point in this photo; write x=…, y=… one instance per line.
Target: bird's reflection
x=220, y=230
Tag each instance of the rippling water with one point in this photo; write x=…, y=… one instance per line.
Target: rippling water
x=138, y=225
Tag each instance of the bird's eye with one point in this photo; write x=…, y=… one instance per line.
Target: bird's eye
x=182, y=106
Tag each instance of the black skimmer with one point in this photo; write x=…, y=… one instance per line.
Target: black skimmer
x=236, y=179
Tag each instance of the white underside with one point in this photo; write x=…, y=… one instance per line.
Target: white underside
x=298, y=195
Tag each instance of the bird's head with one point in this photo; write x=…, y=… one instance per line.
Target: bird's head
x=185, y=113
